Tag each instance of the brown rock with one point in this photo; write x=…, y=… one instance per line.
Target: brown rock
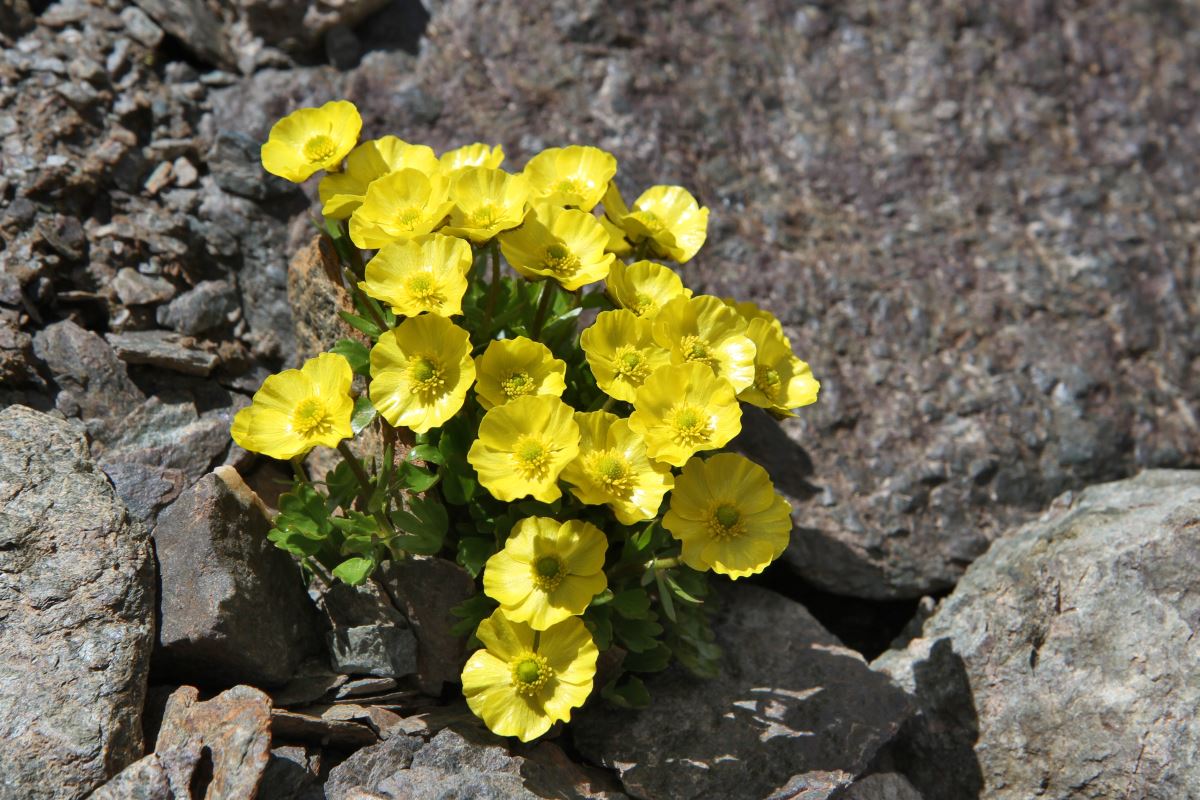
x=316, y=295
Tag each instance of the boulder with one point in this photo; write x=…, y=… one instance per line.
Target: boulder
x=1063, y=664
x=367, y=634
x=791, y=709
x=77, y=604
x=93, y=383
x=233, y=606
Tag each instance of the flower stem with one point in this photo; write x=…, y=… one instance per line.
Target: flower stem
x=663, y=563
x=298, y=469
x=639, y=252
x=608, y=404
x=494, y=289
x=543, y=307
x=364, y=483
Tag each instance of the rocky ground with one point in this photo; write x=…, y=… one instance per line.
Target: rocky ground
x=977, y=221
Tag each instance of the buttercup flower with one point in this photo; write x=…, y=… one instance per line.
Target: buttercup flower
x=420, y=372
x=781, y=381
x=428, y=273
x=523, y=446
x=311, y=139
x=612, y=469
x=622, y=353
x=519, y=688
x=399, y=206
x=682, y=409
x=298, y=409
x=727, y=515
x=472, y=155
x=342, y=192
x=667, y=216
x=703, y=330
x=644, y=287
x=751, y=311
x=512, y=368
x=571, y=176
x=565, y=244
x=486, y=201
x=547, y=571
x=618, y=244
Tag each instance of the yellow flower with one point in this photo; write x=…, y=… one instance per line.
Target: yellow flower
x=571, y=176
x=311, y=139
x=703, y=330
x=523, y=446
x=621, y=351
x=486, y=201
x=523, y=683
x=420, y=372
x=512, y=368
x=342, y=192
x=668, y=217
x=428, y=273
x=682, y=409
x=618, y=245
x=751, y=311
x=564, y=244
x=547, y=571
x=399, y=206
x=472, y=155
x=781, y=381
x=612, y=469
x=727, y=515
x=644, y=287
x=298, y=409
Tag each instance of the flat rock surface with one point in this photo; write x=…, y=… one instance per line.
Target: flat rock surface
x=1064, y=663
x=76, y=614
x=791, y=708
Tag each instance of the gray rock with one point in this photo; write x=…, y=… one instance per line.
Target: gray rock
x=141, y=780
x=77, y=601
x=233, y=607
x=368, y=634
x=171, y=435
x=93, y=382
x=194, y=24
x=163, y=349
x=1062, y=665
x=882, y=786
x=293, y=773
x=463, y=761
x=205, y=306
x=144, y=488
x=135, y=289
x=790, y=707
x=236, y=165
x=141, y=27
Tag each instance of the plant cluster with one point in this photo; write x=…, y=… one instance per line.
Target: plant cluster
x=562, y=467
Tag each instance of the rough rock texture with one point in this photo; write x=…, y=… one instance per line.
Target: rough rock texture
x=315, y=300
x=233, y=606
x=1063, y=665
x=142, y=780
x=463, y=761
x=790, y=707
x=367, y=635
x=883, y=786
x=77, y=612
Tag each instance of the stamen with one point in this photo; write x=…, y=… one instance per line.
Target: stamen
x=530, y=672
x=311, y=418
x=689, y=424
x=517, y=384
x=319, y=148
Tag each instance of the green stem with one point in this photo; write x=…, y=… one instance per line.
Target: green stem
x=364, y=302
x=494, y=289
x=548, y=287
x=365, y=490
x=640, y=250
x=298, y=469
x=663, y=563
x=608, y=404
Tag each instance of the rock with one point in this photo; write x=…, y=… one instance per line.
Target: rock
x=225, y=740
x=93, y=382
x=194, y=24
x=315, y=295
x=427, y=590
x=463, y=761
x=141, y=27
x=882, y=786
x=163, y=349
x=368, y=635
x=339, y=733
x=1061, y=665
x=170, y=435
x=293, y=773
x=790, y=701
x=205, y=306
x=135, y=289
x=145, y=489
x=233, y=607
x=141, y=780
x=77, y=601
x=236, y=165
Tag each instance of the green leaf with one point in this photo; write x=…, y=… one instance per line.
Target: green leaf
x=356, y=353
x=603, y=598
x=641, y=540
x=598, y=621
x=364, y=413
x=679, y=591
x=655, y=659
x=427, y=453
x=354, y=571
x=416, y=479
x=470, y=613
x=664, y=596
x=361, y=324
x=425, y=522
x=636, y=635
x=632, y=604
x=473, y=553
x=627, y=692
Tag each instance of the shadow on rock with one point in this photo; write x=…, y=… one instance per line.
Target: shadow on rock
x=764, y=442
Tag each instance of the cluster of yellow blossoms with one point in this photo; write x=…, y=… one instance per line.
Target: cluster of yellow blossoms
x=680, y=363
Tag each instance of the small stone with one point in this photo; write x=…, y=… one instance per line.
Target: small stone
x=142, y=780
x=163, y=349
x=144, y=488
x=141, y=27
x=185, y=172
x=93, y=382
x=366, y=686
x=295, y=726
x=204, y=307
x=159, y=178
x=225, y=740
x=135, y=289
x=236, y=164
x=368, y=635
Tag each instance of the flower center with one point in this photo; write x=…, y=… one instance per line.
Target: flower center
x=561, y=261
x=311, y=418
x=409, y=218
x=426, y=376
x=651, y=221
x=630, y=365
x=425, y=290
x=483, y=217
x=696, y=350
x=610, y=470
x=725, y=521
x=532, y=458
x=644, y=305
x=319, y=148
x=689, y=424
x=547, y=573
x=767, y=381
x=530, y=673
x=517, y=384
x=570, y=187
